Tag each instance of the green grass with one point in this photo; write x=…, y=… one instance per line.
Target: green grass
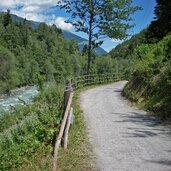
x=79, y=155
x=28, y=144
x=29, y=141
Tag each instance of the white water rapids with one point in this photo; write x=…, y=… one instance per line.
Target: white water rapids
x=18, y=98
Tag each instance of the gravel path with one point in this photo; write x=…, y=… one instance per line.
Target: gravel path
x=124, y=138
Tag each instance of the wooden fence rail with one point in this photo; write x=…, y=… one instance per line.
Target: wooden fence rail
x=71, y=85
x=82, y=81
x=64, y=129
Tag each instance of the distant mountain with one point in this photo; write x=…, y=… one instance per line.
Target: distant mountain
x=68, y=35
x=82, y=42
x=16, y=18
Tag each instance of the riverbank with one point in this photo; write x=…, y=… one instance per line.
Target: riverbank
x=18, y=98
x=31, y=131
x=27, y=138
x=14, y=91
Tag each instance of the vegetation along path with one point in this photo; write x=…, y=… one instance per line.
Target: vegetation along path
x=124, y=138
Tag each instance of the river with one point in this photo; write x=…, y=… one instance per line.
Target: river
x=18, y=98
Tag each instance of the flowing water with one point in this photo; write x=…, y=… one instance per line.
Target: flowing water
x=18, y=99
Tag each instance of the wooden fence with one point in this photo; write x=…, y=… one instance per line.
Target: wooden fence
x=73, y=84
x=86, y=80
x=65, y=125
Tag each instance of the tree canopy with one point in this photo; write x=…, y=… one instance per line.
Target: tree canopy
x=27, y=54
x=161, y=26
x=100, y=19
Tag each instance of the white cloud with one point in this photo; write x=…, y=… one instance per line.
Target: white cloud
x=50, y=20
x=116, y=40
x=40, y=2
x=32, y=9
x=5, y=4
x=60, y=23
x=35, y=10
x=31, y=16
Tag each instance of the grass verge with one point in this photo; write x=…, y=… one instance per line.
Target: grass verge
x=79, y=155
x=27, y=140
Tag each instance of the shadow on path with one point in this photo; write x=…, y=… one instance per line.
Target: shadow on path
x=162, y=162
x=148, y=126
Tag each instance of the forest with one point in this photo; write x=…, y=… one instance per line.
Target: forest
x=28, y=55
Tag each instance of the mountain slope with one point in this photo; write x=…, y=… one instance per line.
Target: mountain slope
x=68, y=35
x=27, y=53
x=82, y=42
x=125, y=49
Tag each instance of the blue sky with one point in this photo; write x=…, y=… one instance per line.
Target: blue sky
x=46, y=11
x=141, y=18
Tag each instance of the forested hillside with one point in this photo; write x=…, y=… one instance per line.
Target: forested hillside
x=150, y=56
x=67, y=35
x=125, y=50
x=150, y=85
x=27, y=55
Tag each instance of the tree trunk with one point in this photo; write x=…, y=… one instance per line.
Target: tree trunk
x=90, y=44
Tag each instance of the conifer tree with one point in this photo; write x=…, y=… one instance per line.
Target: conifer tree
x=7, y=19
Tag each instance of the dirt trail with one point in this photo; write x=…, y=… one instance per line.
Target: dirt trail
x=124, y=138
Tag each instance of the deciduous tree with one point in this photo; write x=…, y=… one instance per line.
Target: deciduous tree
x=99, y=19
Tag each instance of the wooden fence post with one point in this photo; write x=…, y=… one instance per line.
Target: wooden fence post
x=65, y=140
x=61, y=131
x=67, y=128
x=67, y=93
